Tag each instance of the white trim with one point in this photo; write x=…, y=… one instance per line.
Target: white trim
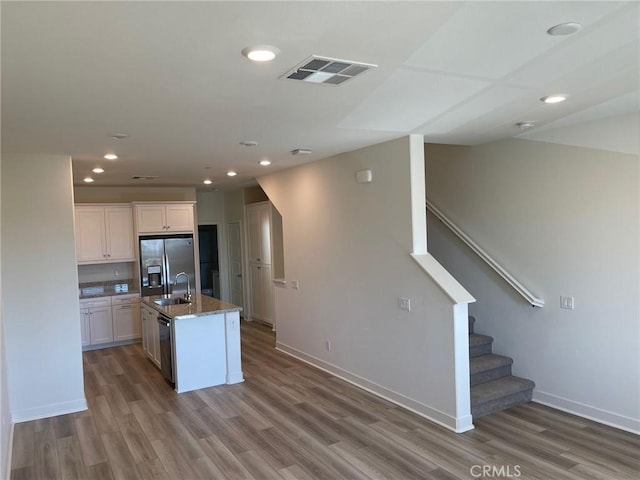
x=599, y=415
x=418, y=194
x=521, y=289
x=52, y=410
x=9, y=451
x=449, y=285
x=457, y=425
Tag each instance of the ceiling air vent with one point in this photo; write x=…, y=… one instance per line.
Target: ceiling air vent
x=143, y=177
x=330, y=71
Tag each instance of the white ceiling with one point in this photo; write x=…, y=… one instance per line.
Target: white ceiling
x=171, y=75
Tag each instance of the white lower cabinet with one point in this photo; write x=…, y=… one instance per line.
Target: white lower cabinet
x=85, y=328
x=106, y=320
x=125, y=311
x=96, y=323
x=150, y=333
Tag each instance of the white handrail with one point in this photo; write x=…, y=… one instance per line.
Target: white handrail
x=530, y=297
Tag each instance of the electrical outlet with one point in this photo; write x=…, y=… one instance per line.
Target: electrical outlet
x=294, y=284
x=567, y=302
x=404, y=304
x=117, y=272
x=328, y=344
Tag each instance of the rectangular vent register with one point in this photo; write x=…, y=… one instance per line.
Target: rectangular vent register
x=330, y=71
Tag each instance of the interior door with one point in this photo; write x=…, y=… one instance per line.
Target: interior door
x=235, y=263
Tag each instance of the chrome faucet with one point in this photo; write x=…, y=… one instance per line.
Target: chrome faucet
x=187, y=295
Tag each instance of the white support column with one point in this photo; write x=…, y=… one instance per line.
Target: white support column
x=232, y=338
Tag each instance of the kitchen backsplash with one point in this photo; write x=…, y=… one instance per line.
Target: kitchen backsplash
x=105, y=272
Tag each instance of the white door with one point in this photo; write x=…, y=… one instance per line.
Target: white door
x=235, y=263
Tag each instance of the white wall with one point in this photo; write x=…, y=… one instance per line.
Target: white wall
x=104, y=272
x=564, y=221
x=5, y=411
x=41, y=317
x=210, y=211
x=348, y=245
x=98, y=194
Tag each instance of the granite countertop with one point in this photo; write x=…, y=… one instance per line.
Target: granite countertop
x=107, y=289
x=200, y=306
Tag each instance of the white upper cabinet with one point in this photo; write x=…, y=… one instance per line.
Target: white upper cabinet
x=104, y=234
x=164, y=218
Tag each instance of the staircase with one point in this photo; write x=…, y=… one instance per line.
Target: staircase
x=493, y=388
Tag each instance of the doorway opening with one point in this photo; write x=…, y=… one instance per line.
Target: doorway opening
x=209, y=263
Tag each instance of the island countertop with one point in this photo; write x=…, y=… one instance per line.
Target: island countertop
x=201, y=305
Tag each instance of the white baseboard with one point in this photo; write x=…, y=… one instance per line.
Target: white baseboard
x=586, y=411
x=458, y=425
x=233, y=378
x=52, y=410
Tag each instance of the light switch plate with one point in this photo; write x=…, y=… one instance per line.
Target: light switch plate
x=294, y=284
x=404, y=304
x=567, y=302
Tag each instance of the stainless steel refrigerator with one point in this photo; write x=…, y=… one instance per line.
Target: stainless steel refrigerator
x=161, y=258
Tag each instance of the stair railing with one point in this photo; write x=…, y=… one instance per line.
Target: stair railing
x=521, y=289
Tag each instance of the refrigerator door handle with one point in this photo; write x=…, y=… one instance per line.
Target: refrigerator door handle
x=165, y=273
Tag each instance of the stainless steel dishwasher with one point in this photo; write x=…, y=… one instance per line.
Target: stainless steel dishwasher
x=166, y=357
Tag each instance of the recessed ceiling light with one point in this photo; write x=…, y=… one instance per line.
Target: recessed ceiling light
x=556, y=98
x=98, y=170
x=260, y=53
x=207, y=182
x=265, y=162
x=111, y=156
x=88, y=179
x=525, y=125
x=567, y=28
x=248, y=143
x=231, y=173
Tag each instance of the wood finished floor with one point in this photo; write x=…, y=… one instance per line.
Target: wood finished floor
x=291, y=421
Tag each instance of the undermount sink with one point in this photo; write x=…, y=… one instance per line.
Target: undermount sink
x=164, y=302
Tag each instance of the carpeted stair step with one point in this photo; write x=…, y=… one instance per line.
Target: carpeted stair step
x=486, y=368
x=479, y=345
x=499, y=394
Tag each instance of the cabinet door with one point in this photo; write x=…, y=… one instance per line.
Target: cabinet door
x=179, y=218
x=90, y=234
x=144, y=327
x=261, y=292
x=119, y=233
x=85, y=328
x=265, y=233
x=151, y=218
x=154, y=340
x=126, y=322
x=267, y=294
x=259, y=232
x=101, y=325
x=254, y=232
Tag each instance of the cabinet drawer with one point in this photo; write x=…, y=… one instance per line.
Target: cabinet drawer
x=95, y=302
x=125, y=299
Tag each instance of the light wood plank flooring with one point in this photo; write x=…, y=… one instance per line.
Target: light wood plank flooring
x=291, y=421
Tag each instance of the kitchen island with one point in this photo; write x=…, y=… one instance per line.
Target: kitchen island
x=204, y=339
